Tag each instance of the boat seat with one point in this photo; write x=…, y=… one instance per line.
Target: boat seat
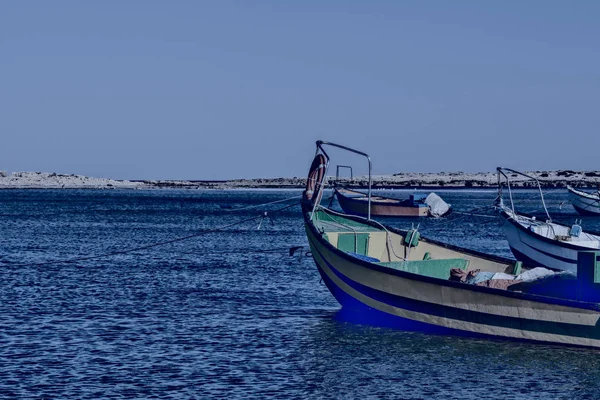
x=432, y=268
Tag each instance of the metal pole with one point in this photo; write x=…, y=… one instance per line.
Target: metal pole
x=526, y=176
x=370, y=180
x=320, y=144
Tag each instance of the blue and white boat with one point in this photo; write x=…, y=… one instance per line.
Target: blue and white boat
x=542, y=243
x=385, y=276
x=585, y=203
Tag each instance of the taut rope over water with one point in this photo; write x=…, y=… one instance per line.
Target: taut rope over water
x=264, y=204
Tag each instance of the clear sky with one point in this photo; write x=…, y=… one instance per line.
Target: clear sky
x=242, y=89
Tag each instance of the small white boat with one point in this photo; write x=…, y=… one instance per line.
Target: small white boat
x=585, y=203
x=543, y=243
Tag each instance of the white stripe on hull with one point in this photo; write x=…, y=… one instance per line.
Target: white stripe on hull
x=535, y=248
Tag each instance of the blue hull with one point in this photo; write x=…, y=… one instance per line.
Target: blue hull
x=582, y=211
x=357, y=312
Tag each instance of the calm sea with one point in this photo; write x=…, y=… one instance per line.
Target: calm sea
x=230, y=313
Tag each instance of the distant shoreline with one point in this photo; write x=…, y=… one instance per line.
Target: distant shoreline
x=409, y=180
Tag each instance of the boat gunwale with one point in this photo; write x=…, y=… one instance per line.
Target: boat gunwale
x=583, y=194
x=444, y=282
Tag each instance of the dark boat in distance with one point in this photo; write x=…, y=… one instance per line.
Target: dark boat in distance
x=385, y=276
x=357, y=203
x=362, y=204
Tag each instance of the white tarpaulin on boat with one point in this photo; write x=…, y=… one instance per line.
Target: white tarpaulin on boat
x=534, y=274
x=437, y=206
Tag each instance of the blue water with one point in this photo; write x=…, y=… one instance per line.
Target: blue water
x=230, y=313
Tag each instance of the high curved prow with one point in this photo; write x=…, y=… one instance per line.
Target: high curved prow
x=320, y=186
x=502, y=172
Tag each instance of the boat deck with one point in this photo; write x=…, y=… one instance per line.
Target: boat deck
x=383, y=246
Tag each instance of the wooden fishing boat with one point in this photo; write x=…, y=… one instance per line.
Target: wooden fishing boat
x=543, y=242
x=585, y=203
x=356, y=203
x=385, y=276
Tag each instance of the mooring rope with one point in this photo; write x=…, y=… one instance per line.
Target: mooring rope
x=264, y=204
x=469, y=213
x=280, y=250
x=148, y=246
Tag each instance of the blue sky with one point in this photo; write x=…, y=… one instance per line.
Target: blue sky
x=242, y=89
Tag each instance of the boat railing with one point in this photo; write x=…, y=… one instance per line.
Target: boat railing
x=337, y=171
x=320, y=144
x=502, y=171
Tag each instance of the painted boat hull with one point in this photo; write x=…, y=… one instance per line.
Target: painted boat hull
x=380, y=209
x=534, y=250
x=404, y=300
x=584, y=203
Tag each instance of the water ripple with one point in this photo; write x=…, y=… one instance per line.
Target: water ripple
x=230, y=314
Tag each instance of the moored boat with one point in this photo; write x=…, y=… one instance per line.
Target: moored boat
x=356, y=203
x=386, y=276
x=585, y=203
x=542, y=243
